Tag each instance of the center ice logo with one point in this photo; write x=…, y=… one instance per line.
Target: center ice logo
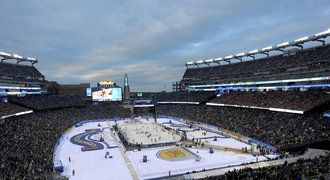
x=173, y=154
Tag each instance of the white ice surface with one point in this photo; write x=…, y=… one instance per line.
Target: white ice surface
x=93, y=165
x=147, y=133
x=166, y=120
x=227, y=142
x=156, y=167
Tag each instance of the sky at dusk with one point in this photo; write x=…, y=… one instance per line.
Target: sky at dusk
x=78, y=41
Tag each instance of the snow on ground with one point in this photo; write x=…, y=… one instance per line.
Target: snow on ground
x=200, y=134
x=156, y=167
x=227, y=142
x=222, y=140
x=90, y=164
x=106, y=134
x=146, y=120
x=167, y=120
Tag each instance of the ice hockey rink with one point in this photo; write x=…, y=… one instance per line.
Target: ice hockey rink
x=147, y=133
x=124, y=164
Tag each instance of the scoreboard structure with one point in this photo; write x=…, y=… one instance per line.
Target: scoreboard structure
x=105, y=91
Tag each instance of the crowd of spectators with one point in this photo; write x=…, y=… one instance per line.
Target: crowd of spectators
x=184, y=96
x=317, y=168
x=7, y=108
x=49, y=102
x=9, y=71
x=294, y=100
x=144, y=111
x=313, y=62
x=28, y=141
x=282, y=130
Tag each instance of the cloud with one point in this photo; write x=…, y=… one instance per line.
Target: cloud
x=86, y=41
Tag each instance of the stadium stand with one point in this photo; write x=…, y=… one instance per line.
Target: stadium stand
x=294, y=100
x=282, y=130
x=7, y=108
x=313, y=62
x=184, y=96
x=21, y=73
x=317, y=168
x=49, y=102
x=27, y=142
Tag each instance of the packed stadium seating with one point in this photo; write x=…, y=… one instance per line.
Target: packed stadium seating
x=303, y=168
x=7, y=108
x=24, y=73
x=27, y=142
x=282, y=130
x=145, y=111
x=184, y=96
x=327, y=112
x=49, y=102
x=294, y=100
x=313, y=62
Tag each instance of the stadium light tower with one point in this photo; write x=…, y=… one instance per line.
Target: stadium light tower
x=208, y=61
x=218, y=60
x=5, y=56
x=228, y=58
x=190, y=64
x=299, y=42
x=266, y=50
x=253, y=53
x=239, y=56
x=320, y=35
x=32, y=60
x=18, y=58
x=282, y=46
x=126, y=89
x=199, y=62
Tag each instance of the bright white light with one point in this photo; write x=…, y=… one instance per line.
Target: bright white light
x=254, y=51
x=240, y=54
x=301, y=39
x=4, y=54
x=31, y=59
x=209, y=60
x=200, y=61
x=218, y=59
x=190, y=63
x=267, y=48
x=283, y=44
x=17, y=56
x=229, y=57
x=327, y=32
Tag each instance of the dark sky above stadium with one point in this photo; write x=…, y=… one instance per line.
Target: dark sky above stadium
x=150, y=40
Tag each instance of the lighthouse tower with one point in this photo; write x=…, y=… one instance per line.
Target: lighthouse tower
x=126, y=88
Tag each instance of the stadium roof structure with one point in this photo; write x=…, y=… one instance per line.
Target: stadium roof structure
x=7, y=56
x=279, y=47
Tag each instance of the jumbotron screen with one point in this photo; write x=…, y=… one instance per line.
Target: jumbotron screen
x=106, y=94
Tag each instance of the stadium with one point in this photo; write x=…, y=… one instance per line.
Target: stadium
x=260, y=114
